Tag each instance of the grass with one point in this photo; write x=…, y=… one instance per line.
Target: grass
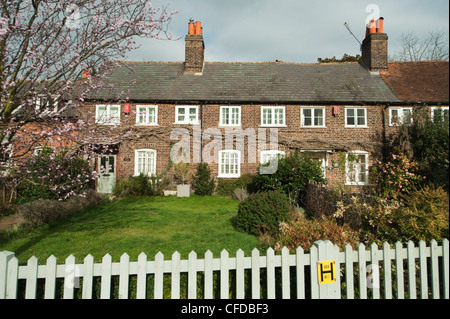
x=136, y=225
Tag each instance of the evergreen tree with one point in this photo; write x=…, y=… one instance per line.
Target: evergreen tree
x=203, y=182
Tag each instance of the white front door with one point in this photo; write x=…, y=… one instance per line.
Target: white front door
x=106, y=168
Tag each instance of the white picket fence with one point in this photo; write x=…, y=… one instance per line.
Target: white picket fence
x=390, y=272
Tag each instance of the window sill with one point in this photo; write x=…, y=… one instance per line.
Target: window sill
x=273, y=126
x=229, y=126
x=107, y=124
x=229, y=176
x=356, y=184
x=354, y=126
x=186, y=123
x=312, y=127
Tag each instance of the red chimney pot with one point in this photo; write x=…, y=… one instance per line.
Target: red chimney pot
x=372, y=27
x=380, y=25
x=191, y=28
x=198, y=27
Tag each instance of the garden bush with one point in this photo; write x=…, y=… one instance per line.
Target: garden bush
x=426, y=141
x=204, y=184
x=292, y=176
x=303, y=232
x=425, y=215
x=226, y=187
x=371, y=216
x=44, y=211
x=141, y=185
x=263, y=213
x=396, y=177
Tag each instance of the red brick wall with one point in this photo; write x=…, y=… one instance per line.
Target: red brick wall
x=335, y=136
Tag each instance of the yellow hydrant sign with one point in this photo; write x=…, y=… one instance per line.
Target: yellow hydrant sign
x=326, y=271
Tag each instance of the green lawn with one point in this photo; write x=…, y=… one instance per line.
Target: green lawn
x=135, y=225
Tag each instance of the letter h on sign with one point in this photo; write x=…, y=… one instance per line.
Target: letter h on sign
x=327, y=272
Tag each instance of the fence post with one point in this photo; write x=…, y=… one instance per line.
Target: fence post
x=327, y=271
x=5, y=257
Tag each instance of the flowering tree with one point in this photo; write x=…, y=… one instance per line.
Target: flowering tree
x=45, y=45
x=46, y=50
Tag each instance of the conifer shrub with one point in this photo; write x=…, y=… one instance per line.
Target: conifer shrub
x=203, y=182
x=263, y=212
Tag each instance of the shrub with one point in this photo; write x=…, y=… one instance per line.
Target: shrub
x=425, y=216
x=226, y=187
x=263, y=212
x=43, y=211
x=240, y=194
x=396, y=177
x=303, y=232
x=203, y=182
x=141, y=185
x=181, y=172
x=370, y=215
x=292, y=176
x=426, y=141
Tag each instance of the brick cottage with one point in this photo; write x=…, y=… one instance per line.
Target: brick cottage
x=325, y=110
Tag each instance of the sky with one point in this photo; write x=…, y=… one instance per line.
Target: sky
x=289, y=30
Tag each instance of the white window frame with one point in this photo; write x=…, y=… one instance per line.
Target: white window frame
x=313, y=116
x=145, y=109
x=186, y=114
x=235, y=174
x=151, y=166
x=442, y=108
x=355, y=117
x=400, y=111
x=270, y=155
x=273, y=118
x=107, y=120
x=230, y=110
x=358, y=166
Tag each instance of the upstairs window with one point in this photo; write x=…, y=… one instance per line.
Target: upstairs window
x=273, y=116
x=147, y=115
x=313, y=117
x=230, y=115
x=400, y=115
x=439, y=113
x=186, y=115
x=107, y=114
x=355, y=117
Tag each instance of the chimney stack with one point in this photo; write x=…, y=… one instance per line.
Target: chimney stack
x=195, y=49
x=375, y=47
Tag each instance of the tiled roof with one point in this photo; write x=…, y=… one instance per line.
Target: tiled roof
x=425, y=81
x=248, y=82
